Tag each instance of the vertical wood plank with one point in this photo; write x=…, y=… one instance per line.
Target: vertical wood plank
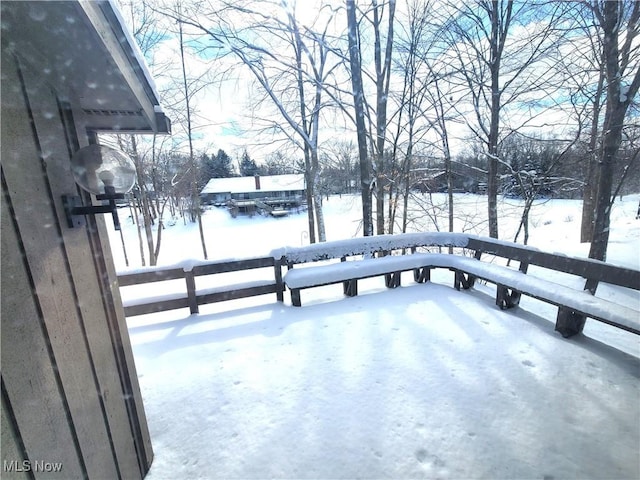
x=123, y=352
x=39, y=233
x=13, y=451
x=278, y=276
x=28, y=373
x=93, y=321
x=191, y=291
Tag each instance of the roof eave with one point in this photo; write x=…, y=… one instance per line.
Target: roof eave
x=109, y=27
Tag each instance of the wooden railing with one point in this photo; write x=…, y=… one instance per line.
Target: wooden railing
x=192, y=296
x=593, y=271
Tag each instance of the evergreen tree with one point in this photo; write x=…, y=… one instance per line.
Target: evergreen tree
x=206, y=165
x=225, y=164
x=217, y=166
x=221, y=165
x=248, y=167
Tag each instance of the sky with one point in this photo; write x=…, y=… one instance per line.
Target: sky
x=421, y=381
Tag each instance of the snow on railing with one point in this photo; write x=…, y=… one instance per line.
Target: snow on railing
x=192, y=297
x=369, y=245
x=593, y=271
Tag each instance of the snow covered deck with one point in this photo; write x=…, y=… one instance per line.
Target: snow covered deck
x=417, y=382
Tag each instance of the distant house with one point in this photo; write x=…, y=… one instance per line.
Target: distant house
x=273, y=194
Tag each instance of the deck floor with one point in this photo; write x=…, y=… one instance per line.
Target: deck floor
x=417, y=382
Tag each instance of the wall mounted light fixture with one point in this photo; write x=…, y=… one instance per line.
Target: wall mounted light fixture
x=103, y=171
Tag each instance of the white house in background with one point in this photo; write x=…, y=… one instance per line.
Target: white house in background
x=273, y=194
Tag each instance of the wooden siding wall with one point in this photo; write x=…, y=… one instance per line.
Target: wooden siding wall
x=70, y=392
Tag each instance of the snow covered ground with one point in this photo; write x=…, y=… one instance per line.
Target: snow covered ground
x=417, y=382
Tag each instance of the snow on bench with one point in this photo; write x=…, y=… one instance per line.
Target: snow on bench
x=581, y=302
x=339, y=272
x=369, y=246
x=390, y=266
x=573, y=305
x=351, y=271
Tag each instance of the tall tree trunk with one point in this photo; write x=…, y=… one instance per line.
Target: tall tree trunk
x=591, y=180
x=144, y=203
x=317, y=203
x=604, y=201
x=140, y=241
x=195, y=197
x=407, y=185
x=314, y=201
x=309, y=179
x=616, y=109
x=124, y=249
x=147, y=229
x=444, y=134
x=317, y=196
x=383, y=72
x=449, y=173
x=524, y=220
x=391, y=211
x=497, y=42
x=160, y=227
x=358, y=98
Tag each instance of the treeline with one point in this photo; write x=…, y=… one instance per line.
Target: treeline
x=532, y=166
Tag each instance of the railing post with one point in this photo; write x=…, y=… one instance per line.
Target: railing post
x=471, y=279
x=569, y=323
x=191, y=291
x=277, y=266
x=392, y=280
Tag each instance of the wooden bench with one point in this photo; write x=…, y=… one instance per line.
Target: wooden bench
x=511, y=284
x=574, y=305
x=349, y=272
x=378, y=260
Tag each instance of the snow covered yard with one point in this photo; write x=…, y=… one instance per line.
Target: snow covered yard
x=418, y=382
x=421, y=381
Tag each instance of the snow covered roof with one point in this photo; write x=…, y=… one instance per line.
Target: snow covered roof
x=269, y=183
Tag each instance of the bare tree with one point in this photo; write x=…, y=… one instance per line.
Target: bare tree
x=141, y=199
x=163, y=175
x=619, y=24
x=288, y=61
x=499, y=68
x=355, y=67
x=194, y=192
x=278, y=163
x=339, y=165
x=582, y=68
x=311, y=120
x=487, y=46
x=382, y=62
x=533, y=165
x=413, y=44
x=590, y=187
x=148, y=33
